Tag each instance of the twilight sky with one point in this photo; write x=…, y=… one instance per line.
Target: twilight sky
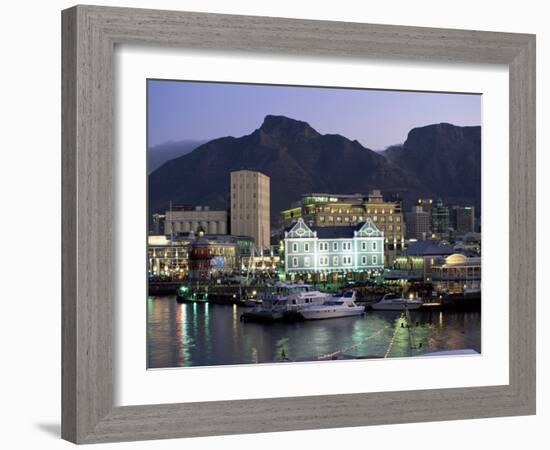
x=179, y=110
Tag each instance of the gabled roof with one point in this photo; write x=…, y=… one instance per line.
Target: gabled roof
x=334, y=232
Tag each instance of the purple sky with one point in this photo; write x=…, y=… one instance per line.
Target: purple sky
x=181, y=110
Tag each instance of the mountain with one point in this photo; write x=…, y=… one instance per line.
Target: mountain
x=299, y=160
x=445, y=158
x=296, y=157
x=159, y=154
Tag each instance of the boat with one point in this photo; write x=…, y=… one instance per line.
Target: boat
x=338, y=306
x=393, y=302
x=187, y=295
x=282, y=298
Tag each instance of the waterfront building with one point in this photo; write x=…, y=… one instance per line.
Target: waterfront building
x=419, y=257
x=183, y=219
x=169, y=258
x=463, y=219
x=210, y=258
x=418, y=223
x=457, y=274
x=166, y=258
x=328, y=251
x=250, y=203
x=334, y=210
x=440, y=219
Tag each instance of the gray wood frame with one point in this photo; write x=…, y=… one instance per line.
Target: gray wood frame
x=90, y=34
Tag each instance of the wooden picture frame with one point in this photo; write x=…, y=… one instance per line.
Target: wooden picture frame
x=90, y=34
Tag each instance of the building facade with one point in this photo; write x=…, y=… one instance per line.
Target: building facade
x=457, y=274
x=418, y=258
x=329, y=210
x=250, y=203
x=440, y=218
x=463, y=219
x=210, y=258
x=418, y=223
x=332, y=250
x=167, y=259
x=183, y=219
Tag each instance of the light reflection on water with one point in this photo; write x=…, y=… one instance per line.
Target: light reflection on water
x=197, y=334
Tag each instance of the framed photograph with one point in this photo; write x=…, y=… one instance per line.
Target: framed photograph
x=277, y=224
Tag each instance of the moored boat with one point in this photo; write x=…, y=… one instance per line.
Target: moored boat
x=393, y=302
x=283, y=298
x=187, y=295
x=338, y=306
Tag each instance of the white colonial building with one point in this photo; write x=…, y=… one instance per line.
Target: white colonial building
x=337, y=249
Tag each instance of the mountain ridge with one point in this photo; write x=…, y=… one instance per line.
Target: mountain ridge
x=299, y=159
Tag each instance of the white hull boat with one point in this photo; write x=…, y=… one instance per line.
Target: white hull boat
x=343, y=306
x=282, y=300
x=392, y=302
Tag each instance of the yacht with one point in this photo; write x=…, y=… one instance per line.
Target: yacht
x=283, y=298
x=337, y=306
x=393, y=302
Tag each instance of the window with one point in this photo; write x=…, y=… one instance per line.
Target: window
x=323, y=246
x=374, y=259
x=346, y=260
x=306, y=247
x=346, y=246
x=306, y=261
x=335, y=246
x=364, y=260
x=294, y=248
x=294, y=262
x=374, y=245
x=323, y=261
x=335, y=260
x=364, y=246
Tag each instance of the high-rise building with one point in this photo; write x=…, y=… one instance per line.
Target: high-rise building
x=440, y=218
x=463, y=219
x=426, y=204
x=250, y=203
x=418, y=223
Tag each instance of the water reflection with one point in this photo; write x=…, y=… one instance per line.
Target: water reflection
x=181, y=335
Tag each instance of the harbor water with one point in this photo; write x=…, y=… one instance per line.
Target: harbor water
x=202, y=334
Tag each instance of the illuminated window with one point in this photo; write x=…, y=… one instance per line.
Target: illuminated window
x=306, y=261
x=335, y=260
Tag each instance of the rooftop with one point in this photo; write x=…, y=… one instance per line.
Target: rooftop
x=429, y=247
